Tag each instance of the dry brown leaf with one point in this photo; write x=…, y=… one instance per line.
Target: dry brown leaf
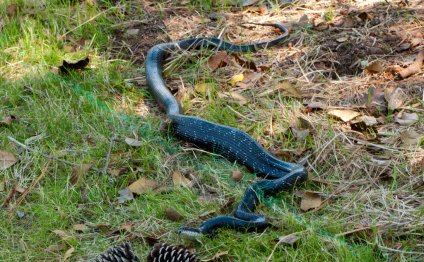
x=78, y=173
x=289, y=239
x=12, y=9
x=80, y=227
x=410, y=138
x=173, y=215
x=68, y=254
x=133, y=142
x=406, y=118
x=237, y=175
x=238, y=97
x=289, y=89
x=374, y=68
x=395, y=98
x=218, y=60
x=345, y=115
x=64, y=235
x=179, y=180
x=143, y=185
x=320, y=24
x=7, y=160
x=310, y=200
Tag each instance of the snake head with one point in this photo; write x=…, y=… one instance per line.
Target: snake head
x=190, y=233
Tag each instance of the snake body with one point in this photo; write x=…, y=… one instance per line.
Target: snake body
x=231, y=143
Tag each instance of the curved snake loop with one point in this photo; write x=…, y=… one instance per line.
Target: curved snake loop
x=231, y=143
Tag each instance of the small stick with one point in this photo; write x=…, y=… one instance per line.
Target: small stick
x=9, y=197
x=112, y=141
x=30, y=188
x=48, y=156
x=413, y=68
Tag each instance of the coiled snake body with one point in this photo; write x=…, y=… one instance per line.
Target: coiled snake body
x=232, y=143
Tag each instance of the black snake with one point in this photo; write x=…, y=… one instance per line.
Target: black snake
x=232, y=143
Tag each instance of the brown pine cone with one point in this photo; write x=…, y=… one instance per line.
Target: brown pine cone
x=121, y=253
x=169, y=253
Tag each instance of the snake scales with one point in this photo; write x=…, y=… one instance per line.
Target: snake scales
x=230, y=142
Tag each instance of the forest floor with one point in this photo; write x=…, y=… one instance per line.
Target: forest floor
x=87, y=160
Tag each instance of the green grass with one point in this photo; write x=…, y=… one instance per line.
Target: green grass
x=78, y=114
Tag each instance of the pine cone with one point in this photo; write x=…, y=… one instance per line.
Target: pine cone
x=169, y=253
x=121, y=253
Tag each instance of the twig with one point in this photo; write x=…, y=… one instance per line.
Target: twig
x=413, y=68
x=9, y=197
x=112, y=141
x=48, y=156
x=30, y=188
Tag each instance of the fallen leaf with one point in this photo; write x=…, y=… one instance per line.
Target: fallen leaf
x=238, y=97
x=79, y=65
x=416, y=41
x=245, y=63
x=310, y=200
x=64, y=235
x=410, y=138
x=342, y=39
x=7, y=120
x=374, y=101
x=204, y=88
x=365, y=16
x=289, y=239
x=403, y=47
x=315, y=105
x=7, y=160
x=236, y=78
x=173, y=215
x=406, y=118
x=289, y=89
x=180, y=180
x=345, y=115
x=125, y=195
x=68, y=254
x=395, y=98
x=374, y=68
x=78, y=173
x=133, y=142
x=304, y=19
x=320, y=24
x=12, y=9
x=237, y=175
x=143, y=185
x=300, y=134
x=220, y=59
x=80, y=227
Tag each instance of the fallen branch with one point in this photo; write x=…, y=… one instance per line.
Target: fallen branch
x=30, y=188
x=413, y=68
